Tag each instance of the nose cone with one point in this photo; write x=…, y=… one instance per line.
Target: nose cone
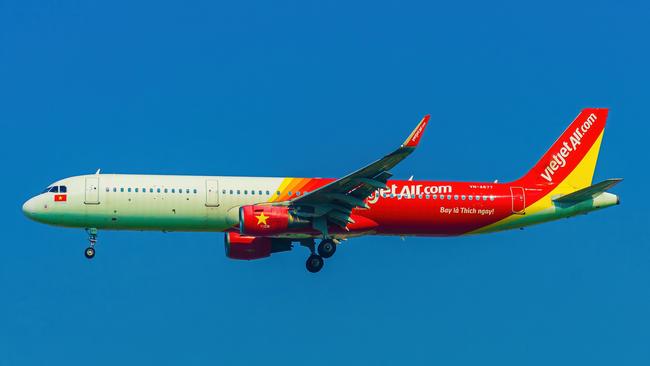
x=29, y=208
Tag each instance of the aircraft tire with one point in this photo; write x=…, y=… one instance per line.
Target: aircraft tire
x=326, y=248
x=90, y=252
x=314, y=263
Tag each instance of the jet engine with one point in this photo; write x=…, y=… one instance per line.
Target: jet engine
x=253, y=247
x=259, y=220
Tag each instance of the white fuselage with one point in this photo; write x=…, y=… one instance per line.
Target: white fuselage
x=151, y=202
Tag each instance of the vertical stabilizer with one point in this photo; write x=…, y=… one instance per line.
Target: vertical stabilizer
x=571, y=160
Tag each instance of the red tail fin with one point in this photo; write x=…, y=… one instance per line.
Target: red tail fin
x=572, y=158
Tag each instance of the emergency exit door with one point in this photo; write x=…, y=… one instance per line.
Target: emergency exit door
x=211, y=193
x=518, y=200
x=92, y=191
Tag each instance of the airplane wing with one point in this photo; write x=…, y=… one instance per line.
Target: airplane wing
x=334, y=202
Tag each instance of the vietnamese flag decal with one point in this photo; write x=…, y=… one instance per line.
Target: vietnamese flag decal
x=60, y=197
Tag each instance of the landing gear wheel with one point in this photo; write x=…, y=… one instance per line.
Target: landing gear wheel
x=326, y=248
x=315, y=263
x=90, y=252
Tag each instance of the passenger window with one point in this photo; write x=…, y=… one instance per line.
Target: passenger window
x=231, y=191
x=173, y=190
x=253, y=192
x=144, y=190
x=260, y=192
x=442, y=196
x=150, y=190
x=268, y=193
x=484, y=198
x=114, y=189
x=238, y=192
x=491, y=198
x=448, y=196
x=137, y=190
x=165, y=190
x=194, y=190
x=298, y=193
x=278, y=193
x=188, y=191
x=435, y=196
x=290, y=193
x=108, y=189
x=245, y=191
x=129, y=189
x=224, y=191
x=428, y=196
x=456, y=197
x=478, y=198
x=157, y=190
x=463, y=197
x=470, y=197
x=122, y=189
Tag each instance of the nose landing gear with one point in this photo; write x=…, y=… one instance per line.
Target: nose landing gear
x=90, y=252
x=92, y=238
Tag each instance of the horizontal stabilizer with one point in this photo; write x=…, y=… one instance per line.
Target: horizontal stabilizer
x=589, y=192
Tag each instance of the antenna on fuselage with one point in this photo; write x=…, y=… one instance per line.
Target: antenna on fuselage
x=410, y=179
x=98, y=170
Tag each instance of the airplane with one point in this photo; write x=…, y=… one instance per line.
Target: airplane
x=261, y=216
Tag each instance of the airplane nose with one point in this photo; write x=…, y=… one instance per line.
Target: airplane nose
x=29, y=208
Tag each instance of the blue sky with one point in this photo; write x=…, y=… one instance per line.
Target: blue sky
x=319, y=89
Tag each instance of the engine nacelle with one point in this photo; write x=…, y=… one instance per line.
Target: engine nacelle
x=253, y=247
x=258, y=220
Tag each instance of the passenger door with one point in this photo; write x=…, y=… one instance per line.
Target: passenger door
x=212, y=193
x=518, y=200
x=92, y=191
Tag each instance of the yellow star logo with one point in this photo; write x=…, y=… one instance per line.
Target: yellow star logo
x=261, y=219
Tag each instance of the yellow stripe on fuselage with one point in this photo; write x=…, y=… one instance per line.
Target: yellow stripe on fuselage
x=282, y=189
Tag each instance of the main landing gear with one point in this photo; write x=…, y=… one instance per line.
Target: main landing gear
x=315, y=263
x=326, y=249
x=92, y=238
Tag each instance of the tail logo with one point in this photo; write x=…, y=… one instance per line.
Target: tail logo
x=559, y=159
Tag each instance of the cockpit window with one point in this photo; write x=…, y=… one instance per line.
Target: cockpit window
x=56, y=189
